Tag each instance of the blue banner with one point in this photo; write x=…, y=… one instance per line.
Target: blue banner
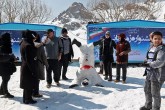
x=16, y=37
x=138, y=38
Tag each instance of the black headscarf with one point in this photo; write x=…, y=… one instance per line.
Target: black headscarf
x=5, y=43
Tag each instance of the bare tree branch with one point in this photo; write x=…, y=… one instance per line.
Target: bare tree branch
x=34, y=12
x=1, y=10
x=117, y=10
x=11, y=10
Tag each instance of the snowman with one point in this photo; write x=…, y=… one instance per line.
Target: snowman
x=86, y=75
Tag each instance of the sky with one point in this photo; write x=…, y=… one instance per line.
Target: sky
x=59, y=6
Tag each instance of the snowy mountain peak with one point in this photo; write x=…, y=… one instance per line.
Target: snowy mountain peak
x=74, y=16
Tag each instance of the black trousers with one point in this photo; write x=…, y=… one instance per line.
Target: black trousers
x=124, y=71
x=36, y=90
x=108, y=68
x=4, y=84
x=101, y=69
x=64, y=63
x=27, y=95
x=53, y=66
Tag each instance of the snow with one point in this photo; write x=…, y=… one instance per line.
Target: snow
x=114, y=96
x=161, y=14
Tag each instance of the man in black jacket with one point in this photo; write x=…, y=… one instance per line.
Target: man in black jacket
x=53, y=50
x=67, y=52
x=107, y=46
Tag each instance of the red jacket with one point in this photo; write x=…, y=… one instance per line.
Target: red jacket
x=122, y=47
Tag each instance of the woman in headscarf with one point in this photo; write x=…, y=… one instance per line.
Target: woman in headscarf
x=28, y=78
x=7, y=67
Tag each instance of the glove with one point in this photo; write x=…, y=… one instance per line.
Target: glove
x=76, y=42
x=145, y=73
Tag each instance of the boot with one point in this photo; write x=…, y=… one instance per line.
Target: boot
x=65, y=78
x=30, y=101
x=57, y=83
x=48, y=85
x=106, y=77
x=110, y=78
x=74, y=85
x=1, y=92
x=76, y=42
x=144, y=108
x=123, y=82
x=116, y=81
x=8, y=95
x=37, y=95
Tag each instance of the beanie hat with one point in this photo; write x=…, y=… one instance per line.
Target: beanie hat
x=122, y=35
x=64, y=30
x=107, y=32
x=6, y=46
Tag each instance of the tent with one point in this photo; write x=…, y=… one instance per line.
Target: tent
x=137, y=32
x=15, y=29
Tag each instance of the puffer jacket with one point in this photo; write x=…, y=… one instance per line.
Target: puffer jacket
x=157, y=71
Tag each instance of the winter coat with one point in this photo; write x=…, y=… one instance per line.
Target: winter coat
x=122, y=47
x=106, y=49
x=157, y=66
x=53, y=48
x=28, y=78
x=41, y=61
x=6, y=64
x=71, y=53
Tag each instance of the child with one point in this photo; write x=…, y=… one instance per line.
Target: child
x=155, y=73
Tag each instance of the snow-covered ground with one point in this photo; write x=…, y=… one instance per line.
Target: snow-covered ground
x=114, y=96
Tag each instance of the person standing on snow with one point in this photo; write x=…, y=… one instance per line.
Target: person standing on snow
x=53, y=50
x=122, y=50
x=67, y=53
x=107, y=46
x=101, y=63
x=6, y=59
x=155, y=76
x=107, y=55
x=41, y=62
x=29, y=76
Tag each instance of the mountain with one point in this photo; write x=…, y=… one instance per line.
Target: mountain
x=77, y=16
x=74, y=17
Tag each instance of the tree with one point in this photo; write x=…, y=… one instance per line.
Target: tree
x=34, y=12
x=11, y=10
x=26, y=11
x=148, y=10
x=1, y=9
x=117, y=10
